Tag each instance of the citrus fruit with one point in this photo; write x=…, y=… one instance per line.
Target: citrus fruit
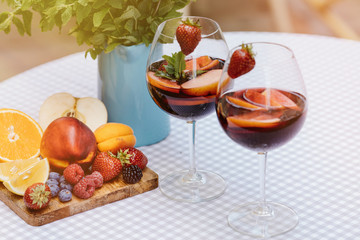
x=20, y=136
x=10, y=169
x=36, y=173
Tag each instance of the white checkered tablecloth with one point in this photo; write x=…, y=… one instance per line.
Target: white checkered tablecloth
x=317, y=173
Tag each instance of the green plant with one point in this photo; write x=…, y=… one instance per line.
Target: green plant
x=101, y=24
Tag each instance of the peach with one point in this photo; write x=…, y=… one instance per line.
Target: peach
x=163, y=83
x=67, y=140
x=253, y=120
x=113, y=136
x=241, y=103
x=205, y=84
x=280, y=99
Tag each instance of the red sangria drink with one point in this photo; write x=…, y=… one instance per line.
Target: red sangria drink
x=193, y=95
x=261, y=119
x=183, y=71
x=261, y=105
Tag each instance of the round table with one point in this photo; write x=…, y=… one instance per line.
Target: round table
x=317, y=173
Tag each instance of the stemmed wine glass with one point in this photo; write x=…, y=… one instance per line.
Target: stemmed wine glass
x=261, y=105
x=183, y=70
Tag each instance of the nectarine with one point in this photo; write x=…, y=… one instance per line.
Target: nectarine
x=67, y=140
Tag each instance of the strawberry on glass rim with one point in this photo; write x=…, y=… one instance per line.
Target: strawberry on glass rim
x=242, y=61
x=188, y=35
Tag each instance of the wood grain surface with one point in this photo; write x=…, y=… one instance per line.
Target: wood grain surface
x=110, y=192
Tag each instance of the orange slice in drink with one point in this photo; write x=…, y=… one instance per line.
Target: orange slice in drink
x=254, y=120
x=256, y=97
x=280, y=99
x=241, y=103
x=163, y=83
x=20, y=136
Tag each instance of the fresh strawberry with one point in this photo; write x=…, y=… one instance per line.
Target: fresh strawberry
x=37, y=196
x=188, y=35
x=241, y=61
x=133, y=156
x=108, y=165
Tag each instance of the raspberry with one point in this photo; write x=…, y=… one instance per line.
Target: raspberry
x=97, y=178
x=65, y=195
x=73, y=173
x=55, y=189
x=85, y=188
x=132, y=174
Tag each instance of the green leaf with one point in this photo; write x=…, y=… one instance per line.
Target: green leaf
x=130, y=12
x=111, y=47
x=99, y=16
x=98, y=39
x=5, y=25
x=27, y=18
x=98, y=4
x=116, y=4
x=83, y=2
x=19, y=25
x=66, y=15
x=82, y=12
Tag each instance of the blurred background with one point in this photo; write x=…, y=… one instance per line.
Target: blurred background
x=337, y=18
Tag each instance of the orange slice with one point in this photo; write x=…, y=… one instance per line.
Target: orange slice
x=163, y=83
x=279, y=98
x=241, y=103
x=10, y=169
x=38, y=172
x=253, y=96
x=20, y=136
x=254, y=119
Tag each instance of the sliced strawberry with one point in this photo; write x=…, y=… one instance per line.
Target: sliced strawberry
x=242, y=61
x=188, y=35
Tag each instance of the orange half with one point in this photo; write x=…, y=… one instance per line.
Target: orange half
x=20, y=136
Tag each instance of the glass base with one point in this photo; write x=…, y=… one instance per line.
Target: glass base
x=247, y=219
x=184, y=187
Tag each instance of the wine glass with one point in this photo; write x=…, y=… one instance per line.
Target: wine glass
x=183, y=71
x=261, y=105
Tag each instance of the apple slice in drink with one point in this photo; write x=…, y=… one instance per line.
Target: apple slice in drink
x=163, y=83
x=205, y=84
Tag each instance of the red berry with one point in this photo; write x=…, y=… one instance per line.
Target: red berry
x=37, y=196
x=97, y=178
x=108, y=165
x=133, y=156
x=188, y=35
x=73, y=173
x=84, y=189
x=242, y=61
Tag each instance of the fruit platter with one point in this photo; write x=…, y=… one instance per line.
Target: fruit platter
x=71, y=161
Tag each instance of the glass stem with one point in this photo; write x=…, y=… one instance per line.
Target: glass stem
x=192, y=175
x=263, y=208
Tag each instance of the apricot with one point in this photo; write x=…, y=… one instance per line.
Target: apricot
x=113, y=136
x=67, y=140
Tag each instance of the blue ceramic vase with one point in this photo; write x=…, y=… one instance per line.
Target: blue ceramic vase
x=122, y=88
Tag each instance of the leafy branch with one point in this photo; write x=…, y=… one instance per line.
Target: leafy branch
x=100, y=24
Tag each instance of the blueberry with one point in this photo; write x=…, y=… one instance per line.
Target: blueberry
x=66, y=185
x=62, y=179
x=55, y=189
x=65, y=195
x=52, y=181
x=54, y=175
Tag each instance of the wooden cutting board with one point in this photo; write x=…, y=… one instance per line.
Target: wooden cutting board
x=110, y=192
